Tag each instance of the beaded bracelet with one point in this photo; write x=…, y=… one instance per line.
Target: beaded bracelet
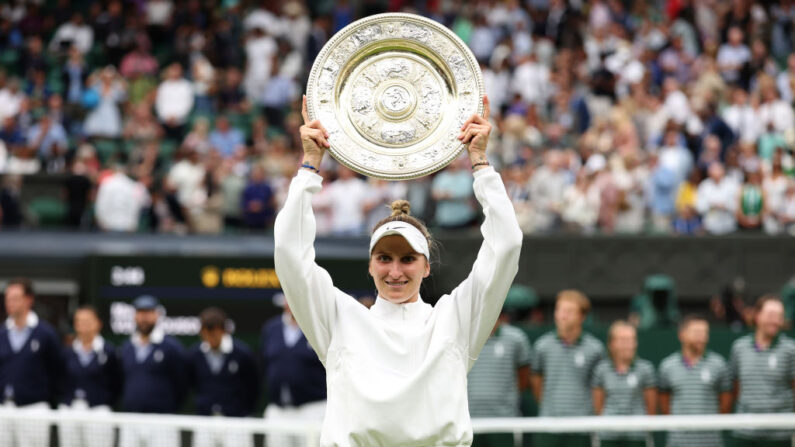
x=308, y=166
x=480, y=163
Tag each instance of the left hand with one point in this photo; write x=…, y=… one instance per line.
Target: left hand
x=475, y=133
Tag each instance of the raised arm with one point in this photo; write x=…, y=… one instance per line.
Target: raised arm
x=307, y=287
x=480, y=296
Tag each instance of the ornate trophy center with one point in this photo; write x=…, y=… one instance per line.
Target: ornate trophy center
x=396, y=99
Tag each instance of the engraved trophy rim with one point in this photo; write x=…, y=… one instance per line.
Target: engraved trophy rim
x=338, y=152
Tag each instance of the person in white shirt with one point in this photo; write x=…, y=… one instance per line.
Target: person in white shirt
x=716, y=201
x=174, y=101
x=120, y=200
x=74, y=32
x=346, y=200
x=733, y=55
x=396, y=372
x=740, y=116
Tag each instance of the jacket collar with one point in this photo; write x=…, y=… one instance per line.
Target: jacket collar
x=97, y=345
x=156, y=337
x=387, y=309
x=225, y=348
x=31, y=322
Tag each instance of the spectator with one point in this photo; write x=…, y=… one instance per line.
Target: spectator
x=105, y=120
x=199, y=137
x=11, y=97
x=786, y=211
x=78, y=188
x=661, y=191
x=624, y=385
x=47, y=139
x=499, y=377
x=30, y=366
x=258, y=202
x=733, y=55
x=580, y=207
x=381, y=194
x=154, y=368
x=279, y=92
x=294, y=377
x=753, y=206
x=225, y=378
x=120, y=201
x=546, y=190
x=260, y=50
x=73, y=76
x=74, y=32
x=174, y=101
x=141, y=126
x=344, y=200
x=226, y=139
x=453, y=193
x=740, y=116
x=563, y=365
x=185, y=185
x=717, y=201
x=785, y=81
x=763, y=367
x=92, y=382
x=694, y=381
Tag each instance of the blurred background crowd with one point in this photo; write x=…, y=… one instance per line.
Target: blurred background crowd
x=611, y=116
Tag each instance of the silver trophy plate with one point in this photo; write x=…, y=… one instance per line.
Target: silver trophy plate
x=393, y=91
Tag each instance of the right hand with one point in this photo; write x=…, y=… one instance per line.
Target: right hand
x=314, y=138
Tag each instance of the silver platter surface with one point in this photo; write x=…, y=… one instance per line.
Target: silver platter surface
x=393, y=91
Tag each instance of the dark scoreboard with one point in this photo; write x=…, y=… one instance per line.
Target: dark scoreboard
x=243, y=287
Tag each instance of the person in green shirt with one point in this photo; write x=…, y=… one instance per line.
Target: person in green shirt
x=563, y=364
x=763, y=367
x=694, y=381
x=752, y=202
x=496, y=380
x=624, y=385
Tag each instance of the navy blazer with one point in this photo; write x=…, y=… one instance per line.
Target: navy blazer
x=234, y=390
x=159, y=383
x=98, y=382
x=34, y=371
x=295, y=367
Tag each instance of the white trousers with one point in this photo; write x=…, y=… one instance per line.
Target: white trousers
x=28, y=433
x=146, y=436
x=211, y=437
x=85, y=434
x=313, y=411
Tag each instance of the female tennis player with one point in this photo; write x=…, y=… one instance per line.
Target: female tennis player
x=397, y=373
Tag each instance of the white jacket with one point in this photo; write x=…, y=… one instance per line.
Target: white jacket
x=397, y=373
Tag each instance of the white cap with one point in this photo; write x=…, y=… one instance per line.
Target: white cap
x=410, y=233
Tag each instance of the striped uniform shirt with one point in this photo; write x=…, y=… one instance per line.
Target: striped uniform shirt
x=567, y=370
x=624, y=392
x=765, y=378
x=492, y=384
x=695, y=389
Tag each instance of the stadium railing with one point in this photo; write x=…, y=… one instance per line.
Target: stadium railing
x=310, y=431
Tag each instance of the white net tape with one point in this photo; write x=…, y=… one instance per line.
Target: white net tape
x=309, y=431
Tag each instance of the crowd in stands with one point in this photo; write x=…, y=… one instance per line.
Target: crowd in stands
x=611, y=116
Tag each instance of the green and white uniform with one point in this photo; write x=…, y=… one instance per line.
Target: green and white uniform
x=765, y=381
x=568, y=371
x=492, y=383
x=695, y=389
x=624, y=392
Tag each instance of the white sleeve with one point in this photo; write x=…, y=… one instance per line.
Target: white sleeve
x=307, y=287
x=479, y=298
